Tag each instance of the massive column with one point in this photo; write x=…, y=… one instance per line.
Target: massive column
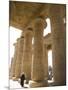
x=45, y=61
x=10, y=68
x=37, y=73
x=58, y=45
x=19, y=57
x=12, y=74
x=27, y=53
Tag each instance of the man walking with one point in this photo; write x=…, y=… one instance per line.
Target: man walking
x=22, y=78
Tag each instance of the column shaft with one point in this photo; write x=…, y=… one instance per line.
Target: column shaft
x=58, y=46
x=19, y=58
x=37, y=73
x=45, y=61
x=27, y=53
x=14, y=61
x=10, y=69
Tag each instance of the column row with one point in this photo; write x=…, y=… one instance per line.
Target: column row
x=34, y=68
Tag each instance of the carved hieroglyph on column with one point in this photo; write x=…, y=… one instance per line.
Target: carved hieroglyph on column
x=37, y=73
x=27, y=53
x=19, y=57
x=58, y=46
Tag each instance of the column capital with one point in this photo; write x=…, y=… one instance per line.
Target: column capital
x=22, y=34
x=28, y=29
x=39, y=22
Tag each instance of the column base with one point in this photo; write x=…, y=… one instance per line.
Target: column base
x=34, y=84
x=26, y=81
x=15, y=79
x=59, y=83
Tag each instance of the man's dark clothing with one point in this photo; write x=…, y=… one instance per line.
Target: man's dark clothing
x=22, y=78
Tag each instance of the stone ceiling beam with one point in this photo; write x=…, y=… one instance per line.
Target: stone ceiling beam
x=24, y=13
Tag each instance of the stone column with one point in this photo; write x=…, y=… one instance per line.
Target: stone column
x=14, y=61
x=27, y=53
x=19, y=57
x=37, y=73
x=58, y=46
x=10, y=68
x=45, y=61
